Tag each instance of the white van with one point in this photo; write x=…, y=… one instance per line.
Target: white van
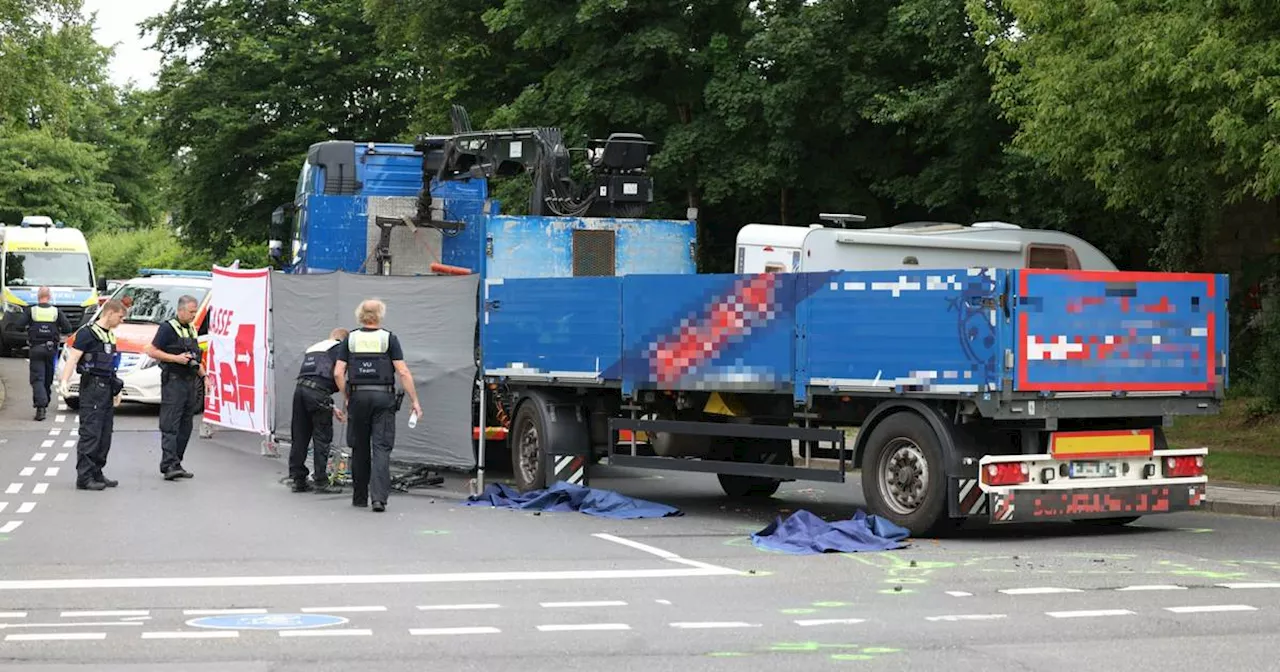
x=37, y=253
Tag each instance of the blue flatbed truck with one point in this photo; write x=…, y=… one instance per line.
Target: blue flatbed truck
x=1015, y=394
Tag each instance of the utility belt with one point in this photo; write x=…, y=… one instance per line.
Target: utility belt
x=389, y=389
x=329, y=388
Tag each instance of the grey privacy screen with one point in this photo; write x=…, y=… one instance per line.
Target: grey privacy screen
x=435, y=319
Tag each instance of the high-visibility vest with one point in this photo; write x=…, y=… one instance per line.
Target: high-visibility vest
x=370, y=361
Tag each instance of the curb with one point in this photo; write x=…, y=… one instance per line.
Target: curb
x=1, y=392
x=1242, y=509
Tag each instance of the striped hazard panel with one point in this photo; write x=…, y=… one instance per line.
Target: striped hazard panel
x=571, y=469
x=973, y=500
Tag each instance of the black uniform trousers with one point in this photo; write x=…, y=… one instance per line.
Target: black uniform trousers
x=40, y=366
x=97, y=422
x=371, y=433
x=179, y=401
x=312, y=423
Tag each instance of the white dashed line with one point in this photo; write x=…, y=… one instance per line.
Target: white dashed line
x=60, y=418
x=830, y=621
x=69, y=444
x=1039, y=591
x=47, y=443
x=1151, y=587
x=1240, y=586
x=26, y=507
x=10, y=526
x=40, y=488
x=1090, y=613
x=666, y=602
x=959, y=593
x=51, y=471
x=454, y=631
x=714, y=624
x=212, y=634
x=13, y=614
x=55, y=432
x=349, y=632
x=38, y=457
x=583, y=627
x=104, y=614
x=27, y=471
x=55, y=636
x=221, y=612
x=339, y=610
x=60, y=457
x=3, y=505
x=1211, y=608
x=966, y=617
x=13, y=489
x=451, y=607
x=598, y=603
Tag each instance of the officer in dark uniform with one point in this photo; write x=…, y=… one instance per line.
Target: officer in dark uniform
x=176, y=346
x=94, y=356
x=313, y=413
x=44, y=323
x=373, y=356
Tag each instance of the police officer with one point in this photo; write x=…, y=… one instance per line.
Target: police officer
x=313, y=414
x=177, y=347
x=44, y=323
x=93, y=355
x=373, y=356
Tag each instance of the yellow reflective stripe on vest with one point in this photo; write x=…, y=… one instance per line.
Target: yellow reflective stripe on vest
x=104, y=335
x=369, y=342
x=183, y=331
x=44, y=314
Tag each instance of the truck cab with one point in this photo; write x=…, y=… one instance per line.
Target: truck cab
x=43, y=253
x=771, y=248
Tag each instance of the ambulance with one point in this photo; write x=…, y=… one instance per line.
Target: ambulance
x=42, y=253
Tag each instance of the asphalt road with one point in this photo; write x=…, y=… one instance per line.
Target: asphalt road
x=120, y=579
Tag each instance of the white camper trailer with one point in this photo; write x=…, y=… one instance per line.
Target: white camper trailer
x=771, y=248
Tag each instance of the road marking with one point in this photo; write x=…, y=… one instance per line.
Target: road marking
x=60, y=457
x=47, y=443
x=1211, y=608
x=55, y=432
x=55, y=636
x=362, y=579
x=966, y=617
x=1239, y=586
x=68, y=624
x=1090, y=613
x=454, y=631
x=69, y=444
x=1151, y=587
x=450, y=607
x=13, y=614
x=221, y=612
x=339, y=610
x=663, y=601
x=714, y=624
x=207, y=634
x=103, y=614
x=51, y=471
x=38, y=457
x=13, y=489
x=583, y=627
x=63, y=407
x=349, y=632
x=598, y=603
x=60, y=418
x=665, y=555
x=1039, y=591
x=3, y=505
x=959, y=593
x=26, y=507
x=10, y=526
x=829, y=621
x=27, y=471
x=40, y=488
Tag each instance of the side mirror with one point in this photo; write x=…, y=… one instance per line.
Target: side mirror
x=102, y=284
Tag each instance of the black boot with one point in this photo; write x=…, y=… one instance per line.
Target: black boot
x=40, y=413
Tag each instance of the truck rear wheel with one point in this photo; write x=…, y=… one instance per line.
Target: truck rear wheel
x=527, y=437
x=762, y=451
x=903, y=478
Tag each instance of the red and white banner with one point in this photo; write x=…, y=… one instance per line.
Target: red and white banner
x=236, y=361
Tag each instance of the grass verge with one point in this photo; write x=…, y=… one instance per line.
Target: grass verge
x=1243, y=448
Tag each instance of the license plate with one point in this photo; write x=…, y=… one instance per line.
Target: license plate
x=1093, y=469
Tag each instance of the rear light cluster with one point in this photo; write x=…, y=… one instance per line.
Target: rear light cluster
x=1184, y=467
x=1006, y=473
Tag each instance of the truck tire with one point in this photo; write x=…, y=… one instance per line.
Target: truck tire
x=903, y=478
x=1118, y=521
x=763, y=451
x=528, y=464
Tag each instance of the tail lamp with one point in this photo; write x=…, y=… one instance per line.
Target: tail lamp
x=1184, y=467
x=1006, y=473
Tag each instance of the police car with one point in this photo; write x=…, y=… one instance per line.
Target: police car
x=150, y=300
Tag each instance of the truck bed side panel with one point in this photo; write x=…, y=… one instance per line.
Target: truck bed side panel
x=935, y=330
x=1084, y=331
x=552, y=327
x=699, y=332
x=562, y=247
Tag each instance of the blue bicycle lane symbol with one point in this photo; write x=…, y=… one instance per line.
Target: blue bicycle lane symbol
x=266, y=621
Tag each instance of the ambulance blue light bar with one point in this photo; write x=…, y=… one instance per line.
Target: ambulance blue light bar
x=151, y=272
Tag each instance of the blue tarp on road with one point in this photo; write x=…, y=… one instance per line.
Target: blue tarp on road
x=566, y=497
x=803, y=533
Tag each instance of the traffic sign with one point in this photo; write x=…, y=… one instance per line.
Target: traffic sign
x=266, y=621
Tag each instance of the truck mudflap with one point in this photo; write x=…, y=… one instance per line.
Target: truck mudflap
x=1108, y=474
